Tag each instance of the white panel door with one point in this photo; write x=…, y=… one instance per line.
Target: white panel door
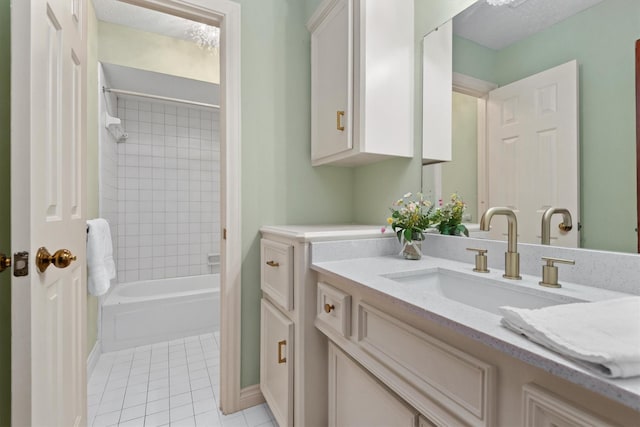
x=48, y=210
x=532, y=152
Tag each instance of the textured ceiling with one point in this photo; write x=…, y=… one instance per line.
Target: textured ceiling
x=143, y=19
x=499, y=26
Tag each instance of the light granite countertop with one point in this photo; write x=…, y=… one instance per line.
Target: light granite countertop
x=372, y=273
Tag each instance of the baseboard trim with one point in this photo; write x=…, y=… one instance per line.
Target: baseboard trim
x=92, y=359
x=250, y=396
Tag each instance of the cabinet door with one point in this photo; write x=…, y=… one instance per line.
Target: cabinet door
x=331, y=83
x=542, y=408
x=357, y=399
x=276, y=362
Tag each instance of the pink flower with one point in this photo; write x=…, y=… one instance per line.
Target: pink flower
x=383, y=230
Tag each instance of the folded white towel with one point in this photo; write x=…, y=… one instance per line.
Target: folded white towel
x=603, y=336
x=100, y=265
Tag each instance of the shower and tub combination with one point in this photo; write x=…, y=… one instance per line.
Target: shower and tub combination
x=159, y=190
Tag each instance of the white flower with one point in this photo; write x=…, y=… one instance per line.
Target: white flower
x=407, y=195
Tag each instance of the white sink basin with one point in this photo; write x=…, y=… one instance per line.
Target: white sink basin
x=480, y=292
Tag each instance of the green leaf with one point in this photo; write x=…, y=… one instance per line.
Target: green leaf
x=407, y=234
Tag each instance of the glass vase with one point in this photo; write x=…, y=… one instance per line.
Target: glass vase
x=413, y=249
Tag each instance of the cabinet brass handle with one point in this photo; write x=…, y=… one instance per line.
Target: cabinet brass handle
x=339, y=116
x=328, y=308
x=281, y=344
x=273, y=264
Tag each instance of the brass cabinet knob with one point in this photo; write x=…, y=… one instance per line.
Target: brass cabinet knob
x=273, y=264
x=60, y=259
x=328, y=308
x=5, y=262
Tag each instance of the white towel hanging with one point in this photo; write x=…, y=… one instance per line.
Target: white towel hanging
x=101, y=267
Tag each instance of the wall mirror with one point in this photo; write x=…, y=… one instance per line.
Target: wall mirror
x=494, y=46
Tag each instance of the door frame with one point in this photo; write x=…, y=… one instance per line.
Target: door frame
x=226, y=14
x=638, y=143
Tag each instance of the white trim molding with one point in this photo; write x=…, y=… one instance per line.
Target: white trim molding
x=93, y=357
x=225, y=14
x=251, y=396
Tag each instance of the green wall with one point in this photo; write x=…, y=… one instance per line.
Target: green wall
x=5, y=214
x=279, y=186
x=376, y=186
x=464, y=137
x=140, y=49
x=607, y=107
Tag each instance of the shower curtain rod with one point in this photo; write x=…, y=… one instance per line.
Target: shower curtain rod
x=162, y=98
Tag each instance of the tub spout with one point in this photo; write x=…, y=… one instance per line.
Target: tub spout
x=511, y=257
x=565, y=225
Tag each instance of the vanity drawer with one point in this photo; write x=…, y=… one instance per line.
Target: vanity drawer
x=445, y=376
x=276, y=272
x=334, y=309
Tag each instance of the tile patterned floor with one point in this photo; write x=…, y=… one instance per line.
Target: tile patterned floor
x=173, y=383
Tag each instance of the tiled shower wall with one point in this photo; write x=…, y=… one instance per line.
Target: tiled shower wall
x=168, y=184
x=108, y=158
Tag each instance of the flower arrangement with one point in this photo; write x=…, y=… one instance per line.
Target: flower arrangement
x=448, y=218
x=410, y=217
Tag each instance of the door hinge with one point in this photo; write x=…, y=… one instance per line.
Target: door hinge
x=224, y=234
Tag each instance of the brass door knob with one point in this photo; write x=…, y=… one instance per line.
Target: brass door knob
x=61, y=258
x=5, y=262
x=328, y=308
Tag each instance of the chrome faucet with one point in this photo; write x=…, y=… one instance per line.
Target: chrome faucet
x=511, y=257
x=565, y=225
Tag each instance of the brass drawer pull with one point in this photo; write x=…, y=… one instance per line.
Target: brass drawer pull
x=328, y=308
x=280, y=345
x=273, y=264
x=339, y=116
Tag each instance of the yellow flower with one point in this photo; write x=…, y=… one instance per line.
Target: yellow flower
x=390, y=220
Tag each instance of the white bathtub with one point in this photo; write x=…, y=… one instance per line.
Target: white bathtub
x=146, y=312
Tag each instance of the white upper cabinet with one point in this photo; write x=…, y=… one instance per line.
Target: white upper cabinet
x=437, y=72
x=362, y=81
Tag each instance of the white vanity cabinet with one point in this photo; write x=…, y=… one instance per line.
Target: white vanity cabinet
x=276, y=362
x=357, y=399
x=293, y=353
x=362, y=81
x=392, y=362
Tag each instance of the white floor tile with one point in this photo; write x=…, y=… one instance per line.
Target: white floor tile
x=157, y=419
x=134, y=399
x=208, y=419
x=233, y=420
x=179, y=400
x=204, y=406
x=105, y=420
x=138, y=422
x=256, y=415
x=172, y=383
x=187, y=422
x=202, y=394
x=157, y=406
x=133, y=413
x=181, y=412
